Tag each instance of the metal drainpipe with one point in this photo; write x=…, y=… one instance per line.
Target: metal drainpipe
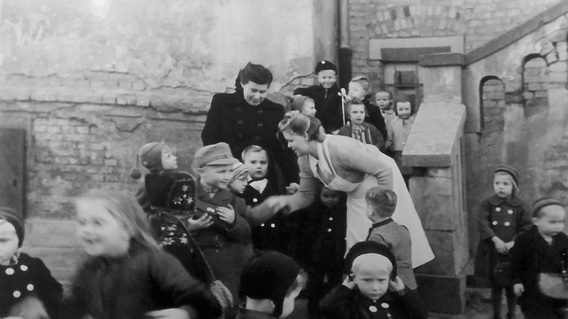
x=344, y=52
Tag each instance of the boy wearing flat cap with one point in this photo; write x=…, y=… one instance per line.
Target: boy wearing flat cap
x=27, y=289
x=372, y=289
x=271, y=281
x=541, y=249
x=326, y=96
x=223, y=229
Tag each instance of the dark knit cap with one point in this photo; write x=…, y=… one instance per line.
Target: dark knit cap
x=16, y=220
x=269, y=275
x=383, y=199
x=325, y=65
x=150, y=156
x=368, y=247
x=509, y=170
x=542, y=203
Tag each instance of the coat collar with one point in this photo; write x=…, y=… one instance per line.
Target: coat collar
x=514, y=201
x=382, y=223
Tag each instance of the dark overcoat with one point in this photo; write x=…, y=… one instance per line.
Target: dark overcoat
x=530, y=256
x=233, y=121
x=504, y=218
x=328, y=105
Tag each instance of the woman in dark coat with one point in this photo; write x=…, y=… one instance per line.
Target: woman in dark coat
x=247, y=118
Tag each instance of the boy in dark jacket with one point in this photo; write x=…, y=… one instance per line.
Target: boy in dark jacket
x=326, y=96
x=541, y=249
x=372, y=289
x=271, y=281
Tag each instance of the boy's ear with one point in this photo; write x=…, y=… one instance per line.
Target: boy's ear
x=534, y=220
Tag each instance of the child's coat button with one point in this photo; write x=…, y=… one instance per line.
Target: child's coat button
x=510, y=211
x=507, y=223
x=9, y=271
x=17, y=294
x=495, y=223
x=24, y=267
x=498, y=209
x=30, y=287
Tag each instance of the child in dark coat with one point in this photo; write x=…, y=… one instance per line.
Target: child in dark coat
x=501, y=218
x=223, y=232
x=381, y=204
x=323, y=223
x=127, y=274
x=360, y=89
x=326, y=96
x=271, y=281
x=541, y=249
x=272, y=233
x=27, y=289
x=372, y=289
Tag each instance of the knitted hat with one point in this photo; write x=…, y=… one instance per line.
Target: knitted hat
x=150, y=156
x=382, y=198
x=368, y=247
x=215, y=154
x=325, y=65
x=16, y=220
x=509, y=170
x=542, y=203
x=269, y=275
x=298, y=102
x=238, y=169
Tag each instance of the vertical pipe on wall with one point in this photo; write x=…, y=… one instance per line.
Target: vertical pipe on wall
x=344, y=52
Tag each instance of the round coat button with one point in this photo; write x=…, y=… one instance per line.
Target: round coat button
x=272, y=225
x=329, y=230
x=373, y=309
x=24, y=267
x=30, y=287
x=495, y=223
x=9, y=271
x=507, y=223
x=331, y=218
x=510, y=211
x=498, y=209
x=17, y=294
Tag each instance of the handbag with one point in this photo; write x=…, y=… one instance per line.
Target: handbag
x=555, y=285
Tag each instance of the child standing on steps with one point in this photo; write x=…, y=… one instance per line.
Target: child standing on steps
x=501, y=218
x=358, y=129
x=127, y=274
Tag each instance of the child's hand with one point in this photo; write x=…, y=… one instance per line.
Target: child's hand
x=348, y=282
x=276, y=203
x=226, y=214
x=509, y=245
x=499, y=245
x=200, y=223
x=172, y=313
x=292, y=188
x=518, y=289
x=396, y=284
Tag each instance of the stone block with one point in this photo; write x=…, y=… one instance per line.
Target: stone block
x=432, y=140
x=444, y=294
x=451, y=251
x=435, y=202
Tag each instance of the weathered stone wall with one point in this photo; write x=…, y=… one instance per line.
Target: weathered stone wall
x=522, y=117
x=91, y=81
x=478, y=21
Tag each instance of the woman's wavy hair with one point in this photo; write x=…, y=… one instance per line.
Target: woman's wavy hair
x=126, y=210
x=256, y=73
x=300, y=124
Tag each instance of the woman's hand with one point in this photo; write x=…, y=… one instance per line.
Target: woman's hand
x=226, y=214
x=276, y=203
x=518, y=289
x=200, y=223
x=348, y=282
x=509, y=245
x=172, y=313
x=499, y=245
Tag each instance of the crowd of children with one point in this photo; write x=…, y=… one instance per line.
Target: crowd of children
x=205, y=245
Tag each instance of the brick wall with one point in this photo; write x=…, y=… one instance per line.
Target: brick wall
x=478, y=21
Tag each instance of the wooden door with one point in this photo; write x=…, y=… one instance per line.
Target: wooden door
x=12, y=166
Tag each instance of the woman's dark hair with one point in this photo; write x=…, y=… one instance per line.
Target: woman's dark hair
x=254, y=73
